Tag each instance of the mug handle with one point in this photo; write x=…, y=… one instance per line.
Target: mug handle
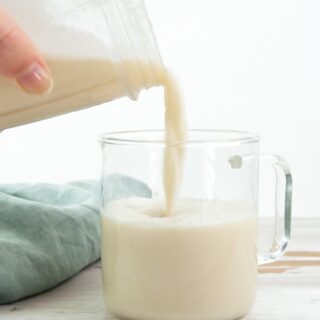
x=282, y=222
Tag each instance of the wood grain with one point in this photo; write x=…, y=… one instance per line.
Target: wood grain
x=288, y=289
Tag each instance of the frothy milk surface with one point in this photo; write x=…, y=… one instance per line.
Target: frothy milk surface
x=198, y=263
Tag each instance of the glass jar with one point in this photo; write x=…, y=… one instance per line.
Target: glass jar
x=97, y=51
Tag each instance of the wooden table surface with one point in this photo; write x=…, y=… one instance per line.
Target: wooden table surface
x=288, y=289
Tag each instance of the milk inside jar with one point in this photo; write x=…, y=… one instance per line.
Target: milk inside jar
x=97, y=51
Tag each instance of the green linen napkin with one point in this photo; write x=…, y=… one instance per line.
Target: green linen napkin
x=50, y=232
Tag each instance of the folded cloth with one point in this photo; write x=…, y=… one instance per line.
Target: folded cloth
x=50, y=232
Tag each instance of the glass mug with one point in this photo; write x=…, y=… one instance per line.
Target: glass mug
x=201, y=262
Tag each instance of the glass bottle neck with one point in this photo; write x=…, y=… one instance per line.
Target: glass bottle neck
x=135, y=47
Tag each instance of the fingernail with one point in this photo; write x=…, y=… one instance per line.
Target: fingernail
x=35, y=79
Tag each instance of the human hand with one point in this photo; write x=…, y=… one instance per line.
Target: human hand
x=20, y=60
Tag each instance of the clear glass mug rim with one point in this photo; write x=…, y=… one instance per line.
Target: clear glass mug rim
x=205, y=136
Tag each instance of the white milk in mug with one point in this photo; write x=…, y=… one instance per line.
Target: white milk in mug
x=197, y=263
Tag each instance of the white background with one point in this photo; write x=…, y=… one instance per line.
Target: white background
x=248, y=65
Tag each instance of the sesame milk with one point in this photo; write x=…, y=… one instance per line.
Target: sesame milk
x=173, y=258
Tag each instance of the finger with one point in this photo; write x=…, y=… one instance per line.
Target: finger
x=20, y=59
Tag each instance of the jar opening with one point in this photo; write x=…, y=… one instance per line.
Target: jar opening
x=136, y=49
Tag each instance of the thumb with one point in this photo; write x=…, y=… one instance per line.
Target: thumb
x=19, y=58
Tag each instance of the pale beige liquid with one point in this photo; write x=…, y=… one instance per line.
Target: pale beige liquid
x=197, y=264
x=78, y=83
x=176, y=134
